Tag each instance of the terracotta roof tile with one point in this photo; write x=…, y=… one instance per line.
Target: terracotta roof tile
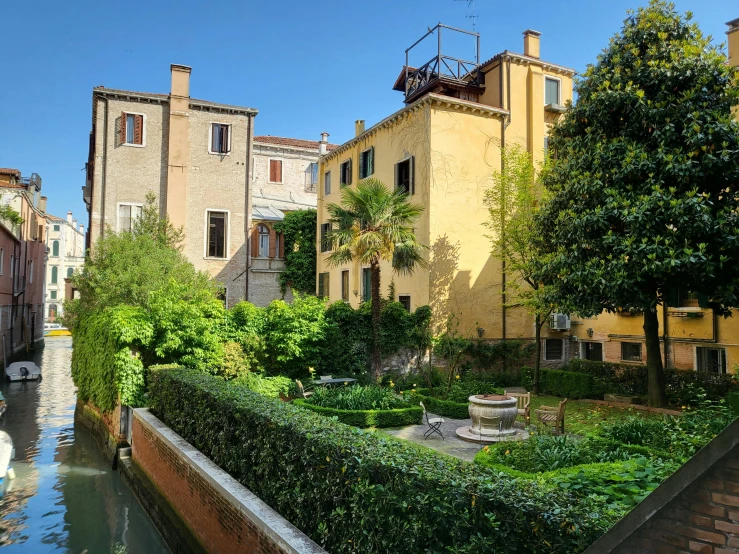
x=166, y=97
x=10, y=171
x=299, y=143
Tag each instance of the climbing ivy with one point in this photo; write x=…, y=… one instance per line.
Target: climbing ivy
x=299, y=231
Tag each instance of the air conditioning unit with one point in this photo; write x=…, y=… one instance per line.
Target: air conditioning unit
x=559, y=322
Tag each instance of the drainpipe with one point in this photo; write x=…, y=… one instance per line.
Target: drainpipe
x=247, y=203
x=664, y=335
x=104, y=169
x=502, y=144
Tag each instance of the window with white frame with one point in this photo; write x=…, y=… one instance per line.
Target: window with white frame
x=311, y=174
x=56, y=228
x=553, y=349
x=132, y=129
x=220, y=138
x=263, y=243
x=345, y=285
x=53, y=294
x=217, y=226
x=70, y=272
x=551, y=91
x=404, y=175
x=275, y=171
x=127, y=216
x=55, y=248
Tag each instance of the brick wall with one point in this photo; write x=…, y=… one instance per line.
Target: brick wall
x=223, y=515
x=695, y=511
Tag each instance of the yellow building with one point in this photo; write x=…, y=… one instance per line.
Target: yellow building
x=443, y=148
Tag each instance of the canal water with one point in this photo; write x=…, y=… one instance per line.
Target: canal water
x=64, y=497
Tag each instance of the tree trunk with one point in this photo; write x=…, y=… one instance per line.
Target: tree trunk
x=537, y=363
x=655, y=370
x=376, y=308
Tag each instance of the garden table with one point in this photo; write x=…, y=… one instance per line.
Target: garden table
x=334, y=381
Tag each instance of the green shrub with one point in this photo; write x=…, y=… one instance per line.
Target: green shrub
x=568, y=384
x=360, y=492
x=358, y=397
x=732, y=401
x=395, y=417
x=267, y=386
x=456, y=405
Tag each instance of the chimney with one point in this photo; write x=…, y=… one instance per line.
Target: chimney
x=323, y=145
x=69, y=217
x=531, y=43
x=180, y=80
x=358, y=127
x=82, y=229
x=42, y=204
x=733, y=40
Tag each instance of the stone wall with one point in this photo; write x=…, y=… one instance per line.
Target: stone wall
x=222, y=515
x=696, y=510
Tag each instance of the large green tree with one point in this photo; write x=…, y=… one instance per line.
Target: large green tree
x=513, y=202
x=644, y=194
x=373, y=224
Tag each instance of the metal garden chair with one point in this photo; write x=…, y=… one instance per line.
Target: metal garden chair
x=434, y=424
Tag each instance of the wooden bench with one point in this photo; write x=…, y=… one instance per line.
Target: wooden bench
x=547, y=415
x=523, y=403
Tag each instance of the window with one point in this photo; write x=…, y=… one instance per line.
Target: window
x=220, y=138
x=405, y=299
x=592, y=351
x=275, y=171
x=217, y=234
x=2, y=260
x=30, y=271
x=54, y=274
x=132, y=129
x=12, y=266
x=323, y=290
x=55, y=248
x=311, y=174
x=345, y=285
x=327, y=183
x=325, y=242
x=70, y=272
x=56, y=227
x=710, y=360
x=631, y=351
x=52, y=311
x=367, y=163
x=551, y=91
x=366, y=284
x=345, y=173
x=127, y=215
x=53, y=295
x=553, y=349
x=404, y=175
x=263, y=241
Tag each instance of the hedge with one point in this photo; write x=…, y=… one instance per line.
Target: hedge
x=368, y=418
x=454, y=410
x=568, y=384
x=630, y=379
x=354, y=491
x=732, y=400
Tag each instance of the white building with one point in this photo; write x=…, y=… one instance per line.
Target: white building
x=66, y=247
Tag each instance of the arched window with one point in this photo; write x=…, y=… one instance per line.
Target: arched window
x=55, y=248
x=54, y=274
x=52, y=312
x=70, y=272
x=263, y=241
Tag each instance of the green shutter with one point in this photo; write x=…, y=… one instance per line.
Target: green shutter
x=371, y=161
x=703, y=300
x=672, y=297
x=412, y=185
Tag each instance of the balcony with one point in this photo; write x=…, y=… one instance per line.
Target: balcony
x=442, y=71
x=34, y=179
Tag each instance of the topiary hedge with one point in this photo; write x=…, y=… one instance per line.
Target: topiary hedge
x=447, y=408
x=354, y=491
x=568, y=384
x=368, y=418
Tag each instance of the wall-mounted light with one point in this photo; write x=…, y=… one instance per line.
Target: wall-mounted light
x=590, y=332
x=480, y=332
x=356, y=293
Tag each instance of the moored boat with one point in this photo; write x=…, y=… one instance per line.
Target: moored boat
x=23, y=371
x=55, y=330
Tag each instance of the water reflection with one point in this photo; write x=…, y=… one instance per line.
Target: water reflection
x=64, y=498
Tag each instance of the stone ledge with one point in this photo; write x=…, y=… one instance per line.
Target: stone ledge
x=285, y=535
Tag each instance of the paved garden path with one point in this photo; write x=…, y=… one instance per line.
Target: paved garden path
x=452, y=445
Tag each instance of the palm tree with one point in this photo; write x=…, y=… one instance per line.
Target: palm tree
x=373, y=224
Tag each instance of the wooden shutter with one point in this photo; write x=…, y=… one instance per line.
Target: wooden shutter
x=138, y=129
x=214, y=131
x=281, y=244
x=370, y=162
x=122, y=136
x=397, y=176
x=255, y=241
x=272, y=243
x=279, y=170
x=349, y=171
x=224, y=139
x=275, y=171
x=412, y=184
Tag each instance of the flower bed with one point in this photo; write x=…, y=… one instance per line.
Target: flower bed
x=396, y=417
x=354, y=491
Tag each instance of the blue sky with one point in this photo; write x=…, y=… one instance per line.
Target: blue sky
x=307, y=66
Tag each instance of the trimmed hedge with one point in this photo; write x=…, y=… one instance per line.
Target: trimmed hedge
x=454, y=410
x=354, y=491
x=568, y=384
x=732, y=400
x=412, y=415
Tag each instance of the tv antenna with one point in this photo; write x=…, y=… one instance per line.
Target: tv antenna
x=472, y=15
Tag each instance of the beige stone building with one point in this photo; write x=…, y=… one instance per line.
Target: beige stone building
x=194, y=155
x=285, y=178
x=66, y=248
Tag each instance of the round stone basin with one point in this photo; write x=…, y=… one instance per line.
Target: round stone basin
x=492, y=415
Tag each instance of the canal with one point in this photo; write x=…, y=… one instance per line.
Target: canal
x=64, y=497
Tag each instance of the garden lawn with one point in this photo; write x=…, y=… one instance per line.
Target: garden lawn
x=582, y=418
